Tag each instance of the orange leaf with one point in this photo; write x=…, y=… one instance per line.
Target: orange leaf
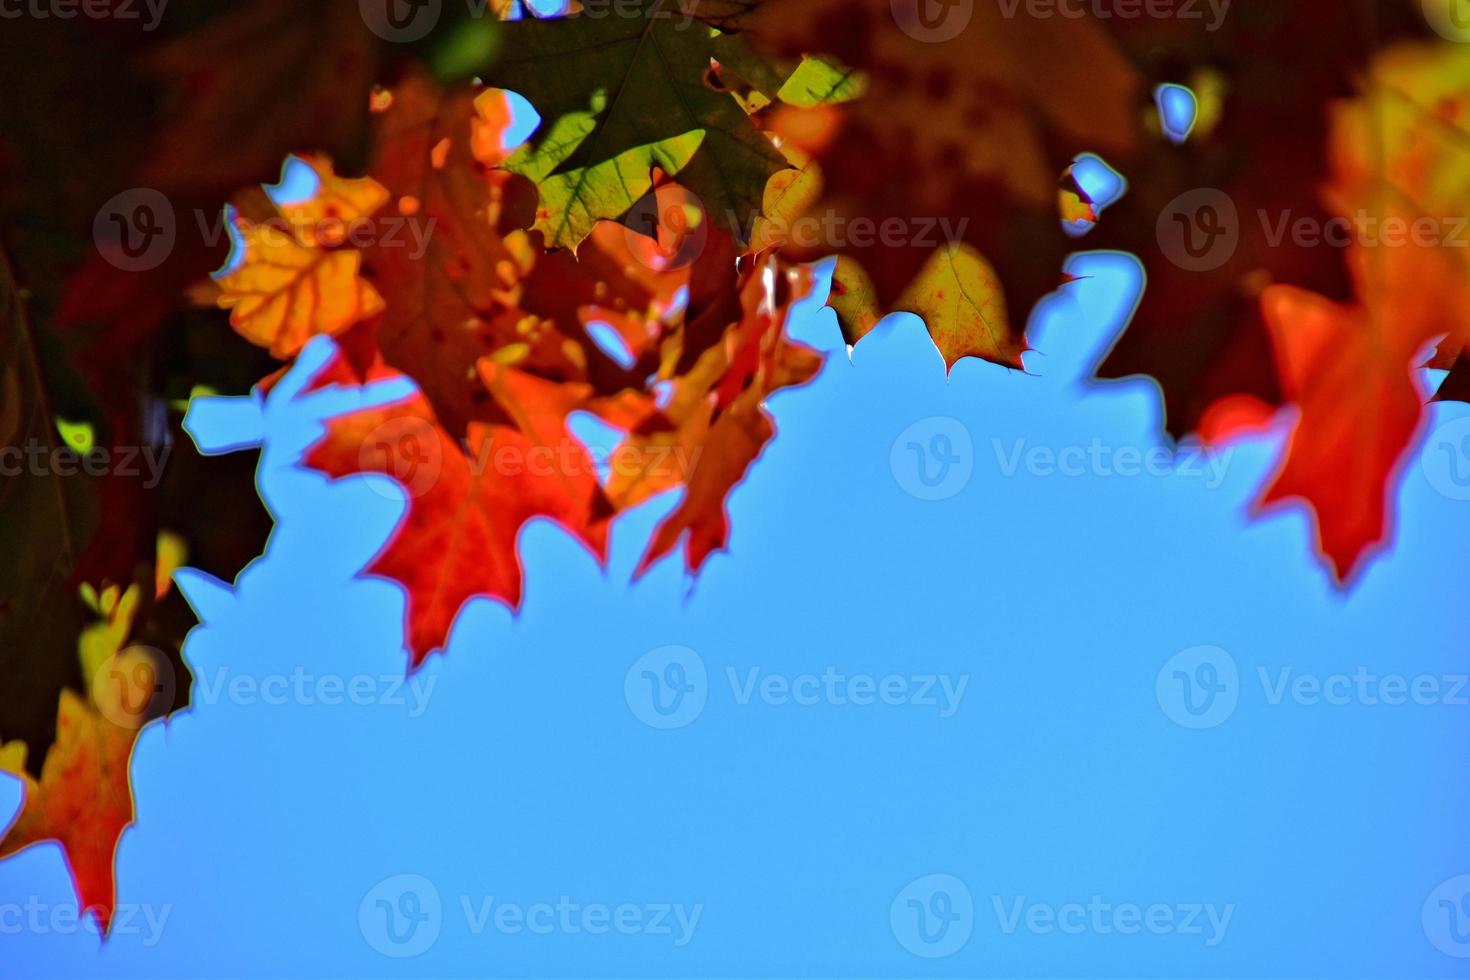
x=468, y=502
x=292, y=284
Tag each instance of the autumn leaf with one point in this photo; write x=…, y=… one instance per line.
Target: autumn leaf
x=1400, y=181
x=1201, y=332
x=451, y=278
x=293, y=282
x=83, y=798
x=466, y=502
x=976, y=130
x=1359, y=410
x=715, y=425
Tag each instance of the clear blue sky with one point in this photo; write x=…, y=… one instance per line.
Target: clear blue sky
x=1063, y=786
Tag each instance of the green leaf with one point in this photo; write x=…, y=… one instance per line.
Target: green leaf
x=649, y=106
x=574, y=200
x=820, y=81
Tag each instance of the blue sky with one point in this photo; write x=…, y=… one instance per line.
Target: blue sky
x=979, y=690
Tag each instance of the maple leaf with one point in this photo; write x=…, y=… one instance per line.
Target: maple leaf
x=627, y=94
x=1200, y=332
x=293, y=281
x=976, y=129
x=83, y=799
x=1400, y=160
x=482, y=284
x=456, y=298
x=468, y=502
x=715, y=425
